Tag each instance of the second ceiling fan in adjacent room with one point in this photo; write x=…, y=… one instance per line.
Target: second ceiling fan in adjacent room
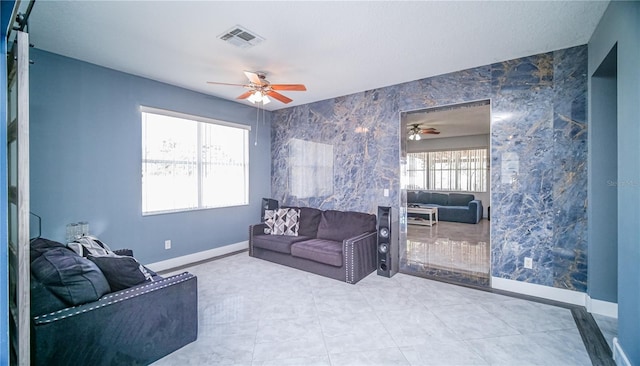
x=415, y=131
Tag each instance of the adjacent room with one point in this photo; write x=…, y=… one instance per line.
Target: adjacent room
x=320, y=183
x=448, y=199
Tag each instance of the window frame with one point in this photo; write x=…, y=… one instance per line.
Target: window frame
x=199, y=163
x=429, y=174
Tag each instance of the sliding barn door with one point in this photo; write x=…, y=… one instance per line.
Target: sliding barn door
x=18, y=179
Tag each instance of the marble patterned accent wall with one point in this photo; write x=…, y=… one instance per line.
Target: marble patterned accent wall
x=538, y=113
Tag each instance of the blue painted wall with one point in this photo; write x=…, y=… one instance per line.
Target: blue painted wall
x=620, y=25
x=86, y=153
x=538, y=112
x=6, y=8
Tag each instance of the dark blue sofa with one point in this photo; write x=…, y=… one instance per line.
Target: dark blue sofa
x=455, y=207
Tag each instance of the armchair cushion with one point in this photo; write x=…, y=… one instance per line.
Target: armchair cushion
x=76, y=280
x=41, y=245
x=121, y=271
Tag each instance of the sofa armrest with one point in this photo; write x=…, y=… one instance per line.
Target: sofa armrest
x=476, y=207
x=137, y=325
x=359, y=256
x=257, y=229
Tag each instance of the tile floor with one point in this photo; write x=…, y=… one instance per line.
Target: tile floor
x=253, y=312
x=452, y=251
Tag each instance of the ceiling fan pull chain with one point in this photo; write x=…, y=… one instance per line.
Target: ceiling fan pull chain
x=257, y=123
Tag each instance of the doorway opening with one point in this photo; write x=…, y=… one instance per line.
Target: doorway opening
x=602, y=272
x=445, y=198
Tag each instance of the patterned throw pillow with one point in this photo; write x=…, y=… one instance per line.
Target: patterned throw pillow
x=286, y=221
x=269, y=220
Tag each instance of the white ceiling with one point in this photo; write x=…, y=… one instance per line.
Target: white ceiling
x=452, y=121
x=335, y=48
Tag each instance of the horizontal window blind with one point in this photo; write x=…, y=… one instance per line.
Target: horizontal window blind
x=454, y=170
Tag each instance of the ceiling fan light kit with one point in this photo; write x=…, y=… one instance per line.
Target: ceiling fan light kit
x=257, y=97
x=259, y=88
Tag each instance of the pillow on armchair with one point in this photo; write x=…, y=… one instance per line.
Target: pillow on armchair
x=74, y=279
x=121, y=271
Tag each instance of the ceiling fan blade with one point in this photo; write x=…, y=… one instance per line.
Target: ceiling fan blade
x=430, y=132
x=279, y=97
x=254, y=78
x=217, y=83
x=245, y=95
x=429, y=129
x=292, y=87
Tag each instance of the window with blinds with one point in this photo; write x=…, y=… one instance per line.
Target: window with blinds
x=191, y=162
x=455, y=170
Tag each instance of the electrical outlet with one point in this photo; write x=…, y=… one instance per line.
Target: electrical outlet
x=528, y=262
x=167, y=244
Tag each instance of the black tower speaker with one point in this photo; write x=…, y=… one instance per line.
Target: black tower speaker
x=267, y=204
x=387, y=243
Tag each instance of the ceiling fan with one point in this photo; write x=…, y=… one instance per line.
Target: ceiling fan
x=415, y=131
x=260, y=88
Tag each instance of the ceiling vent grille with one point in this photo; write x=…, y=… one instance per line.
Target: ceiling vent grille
x=241, y=37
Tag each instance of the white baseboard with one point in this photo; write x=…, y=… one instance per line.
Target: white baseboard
x=196, y=257
x=545, y=292
x=618, y=354
x=600, y=307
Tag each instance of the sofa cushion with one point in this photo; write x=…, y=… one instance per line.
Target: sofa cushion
x=76, y=280
x=319, y=250
x=459, y=199
x=277, y=243
x=341, y=225
x=309, y=221
x=424, y=197
x=441, y=199
x=121, y=271
x=412, y=196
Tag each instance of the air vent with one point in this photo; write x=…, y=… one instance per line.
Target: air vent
x=241, y=37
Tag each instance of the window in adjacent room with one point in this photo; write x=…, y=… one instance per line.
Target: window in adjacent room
x=191, y=162
x=456, y=170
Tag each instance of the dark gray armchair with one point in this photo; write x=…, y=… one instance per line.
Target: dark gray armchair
x=134, y=326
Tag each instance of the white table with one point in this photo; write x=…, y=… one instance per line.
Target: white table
x=432, y=212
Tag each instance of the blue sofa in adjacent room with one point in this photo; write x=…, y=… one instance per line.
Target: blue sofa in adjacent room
x=455, y=207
